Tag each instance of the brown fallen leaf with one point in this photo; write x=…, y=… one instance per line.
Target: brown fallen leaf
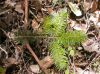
x=78, y=26
x=19, y=9
x=95, y=17
x=94, y=6
x=47, y=62
x=10, y=3
x=35, y=24
x=91, y=45
x=10, y=61
x=39, y=17
x=86, y=6
x=50, y=10
x=86, y=71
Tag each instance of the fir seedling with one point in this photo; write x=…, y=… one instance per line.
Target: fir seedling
x=54, y=25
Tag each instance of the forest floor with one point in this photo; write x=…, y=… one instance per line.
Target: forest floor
x=24, y=48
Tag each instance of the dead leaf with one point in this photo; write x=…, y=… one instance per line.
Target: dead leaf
x=78, y=26
x=87, y=71
x=39, y=17
x=94, y=6
x=95, y=17
x=34, y=68
x=18, y=8
x=75, y=9
x=86, y=5
x=10, y=3
x=47, y=62
x=50, y=10
x=91, y=45
x=10, y=61
x=35, y=24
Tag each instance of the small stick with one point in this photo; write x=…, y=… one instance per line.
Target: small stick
x=36, y=58
x=4, y=51
x=26, y=14
x=5, y=11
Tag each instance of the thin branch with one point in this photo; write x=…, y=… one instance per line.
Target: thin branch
x=4, y=51
x=26, y=14
x=5, y=11
x=36, y=58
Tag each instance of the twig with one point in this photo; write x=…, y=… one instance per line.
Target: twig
x=5, y=11
x=4, y=51
x=26, y=14
x=36, y=58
